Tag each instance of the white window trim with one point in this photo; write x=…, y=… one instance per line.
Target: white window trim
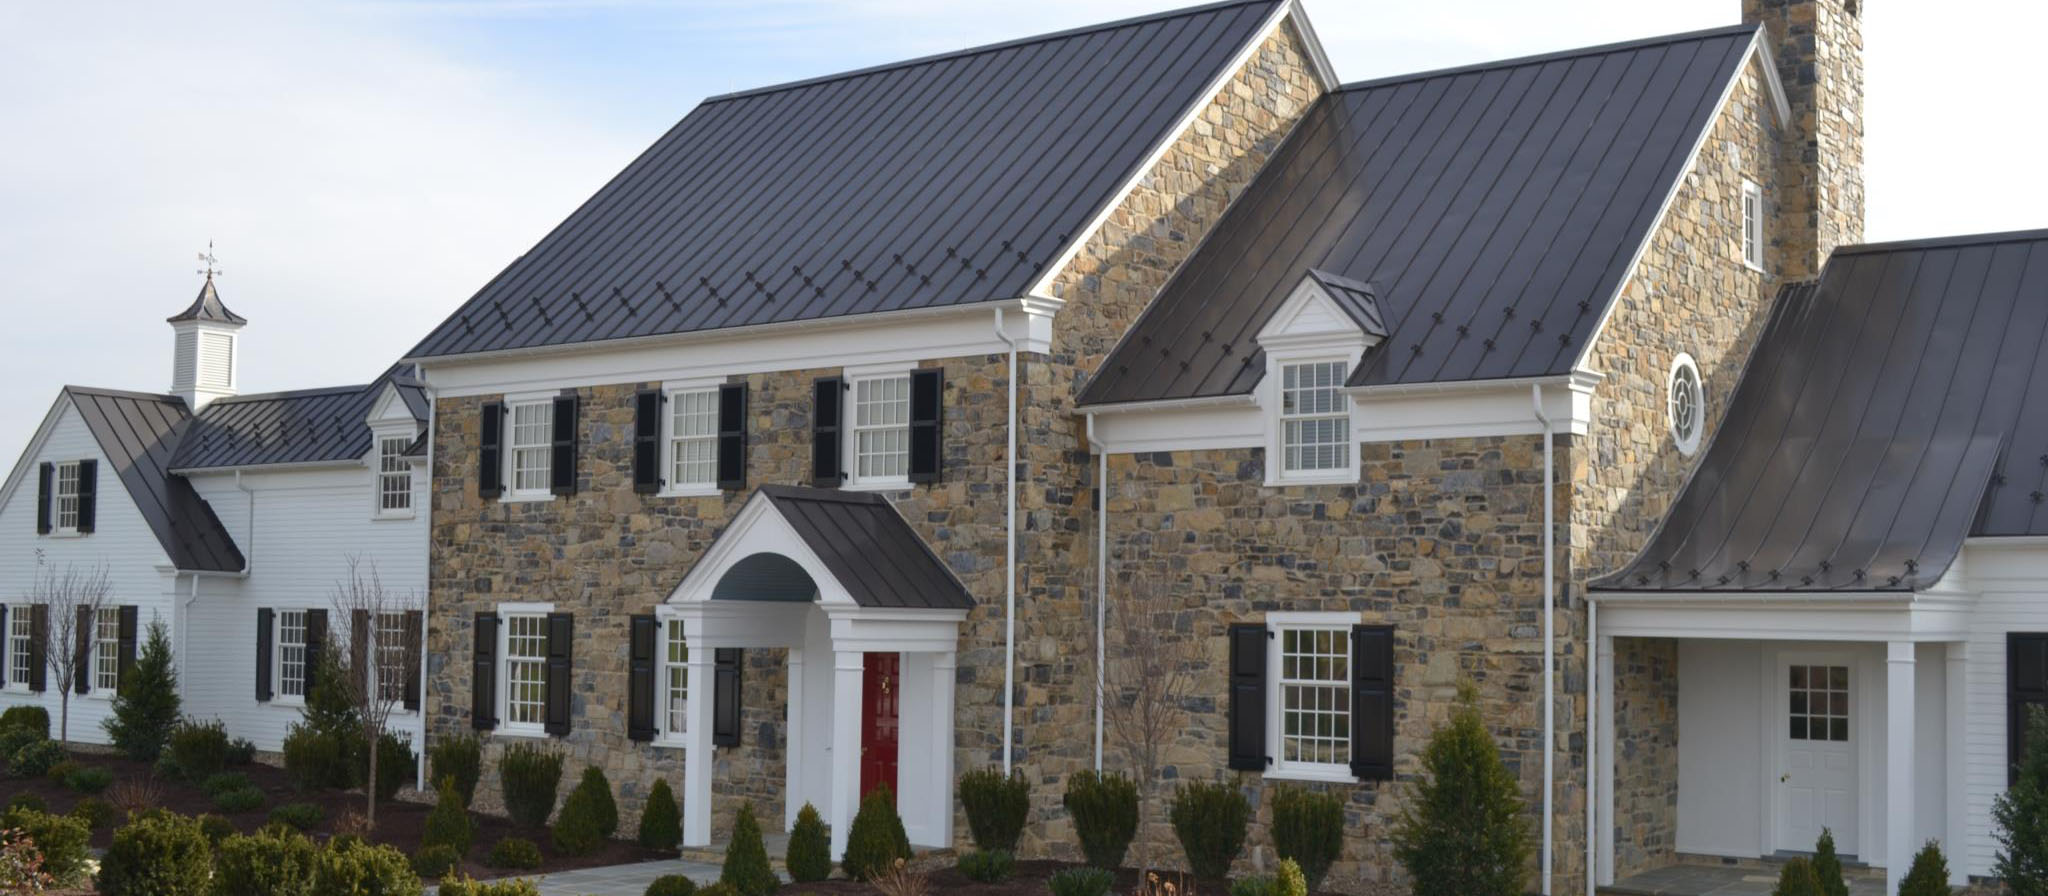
x=92, y=664
x=663, y=737
x=1280, y=769
x=849, y=436
x=1686, y=446
x=1753, y=230
x=506, y=727
x=378, y=436
x=1270, y=402
x=21, y=612
x=57, y=527
x=277, y=694
x=511, y=493
x=669, y=391
x=376, y=670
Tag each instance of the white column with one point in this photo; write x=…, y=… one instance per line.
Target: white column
x=943, y=666
x=793, y=760
x=1956, y=842
x=697, y=760
x=848, y=668
x=1899, y=812
x=1605, y=773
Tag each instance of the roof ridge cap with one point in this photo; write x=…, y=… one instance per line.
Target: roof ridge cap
x=290, y=393
x=122, y=393
x=1551, y=56
x=984, y=48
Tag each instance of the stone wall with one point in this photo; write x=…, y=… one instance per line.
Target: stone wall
x=1645, y=754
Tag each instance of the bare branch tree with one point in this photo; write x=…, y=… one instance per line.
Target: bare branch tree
x=1147, y=677
x=379, y=656
x=72, y=597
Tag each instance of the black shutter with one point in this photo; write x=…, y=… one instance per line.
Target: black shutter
x=316, y=646
x=2026, y=689
x=490, y=456
x=725, y=696
x=647, y=441
x=265, y=630
x=732, y=436
x=562, y=462
x=39, y=647
x=359, y=648
x=88, y=490
x=640, y=678
x=1248, y=697
x=44, y=474
x=1372, y=702
x=81, y=670
x=126, y=657
x=483, y=674
x=561, y=634
x=927, y=418
x=414, y=631
x=827, y=394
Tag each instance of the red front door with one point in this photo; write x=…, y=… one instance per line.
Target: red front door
x=878, y=724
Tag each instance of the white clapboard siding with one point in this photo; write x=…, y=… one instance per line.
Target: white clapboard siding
x=307, y=524
x=122, y=541
x=2013, y=584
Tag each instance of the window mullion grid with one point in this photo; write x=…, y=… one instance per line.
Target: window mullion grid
x=1315, y=694
x=693, y=438
x=881, y=427
x=675, y=676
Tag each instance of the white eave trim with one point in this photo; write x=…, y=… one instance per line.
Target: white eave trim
x=337, y=463
x=1171, y=404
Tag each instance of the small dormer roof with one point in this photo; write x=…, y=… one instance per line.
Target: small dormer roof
x=1358, y=299
x=208, y=308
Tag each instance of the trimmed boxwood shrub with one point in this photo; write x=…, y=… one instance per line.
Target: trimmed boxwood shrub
x=215, y=828
x=95, y=812
x=349, y=865
x=1210, y=818
x=1797, y=879
x=64, y=841
x=35, y=759
x=461, y=758
x=90, y=779
x=661, y=821
x=315, y=759
x=1928, y=875
x=717, y=889
x=57, y=773
x=876, y=839
x=28, y=718
x=303, y=816
x=462, y=885
x=513, y=853
x=1105, y=812
x=395, y=764
x=157, y=854
x=222, y=782
x=746, y=868
x=671, y=885
x=810, y=848
x=435, y=860
x=1080, y=882
x=241, y=751
x=247, y=799
x=996, y=807
x=588, y=816
x=271, y=862
x=448, y=824
x=195, y=751
x=1308, y=827
x=529, y=776
x=26, y=800
x=988, y=865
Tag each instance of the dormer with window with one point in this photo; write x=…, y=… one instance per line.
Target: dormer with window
x=1312, y=344
x=394, y=450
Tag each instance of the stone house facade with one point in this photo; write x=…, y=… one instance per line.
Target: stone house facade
x=1580, y=305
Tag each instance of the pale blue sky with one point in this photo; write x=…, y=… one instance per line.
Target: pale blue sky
x=364, y=166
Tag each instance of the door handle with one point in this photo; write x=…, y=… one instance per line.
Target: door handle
x=1784, y=778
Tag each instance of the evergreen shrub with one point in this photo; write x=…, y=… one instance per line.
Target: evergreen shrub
x=270, y=862
x=877, y=839
x=529, y=775
x=1105, y=813
x=661, y=820
x=746, y=868
x=146, y=704
x=996, y=807
x=1308, y=827
x=1462, y=832
x=810, y=848
x=513, y=853
x=460, y=758
x=1210, y=819
x=157, y=854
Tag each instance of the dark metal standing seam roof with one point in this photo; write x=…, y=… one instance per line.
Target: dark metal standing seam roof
x=306, y=426
x=870, y=548
x=207, y=307
x=940, y=181
x=1496, y=209
x=1890, y=410
x=138, y=434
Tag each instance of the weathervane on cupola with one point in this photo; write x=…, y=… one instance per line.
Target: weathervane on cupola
x=203, y=354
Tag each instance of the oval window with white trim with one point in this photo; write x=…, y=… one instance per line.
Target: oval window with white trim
x=1685, y=403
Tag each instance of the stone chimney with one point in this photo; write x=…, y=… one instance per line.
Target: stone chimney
x=1818, y=48
x=204, y=348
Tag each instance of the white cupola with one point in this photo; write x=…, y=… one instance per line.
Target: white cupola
x=204, y=354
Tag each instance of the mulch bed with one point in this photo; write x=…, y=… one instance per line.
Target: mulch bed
x=399, y=823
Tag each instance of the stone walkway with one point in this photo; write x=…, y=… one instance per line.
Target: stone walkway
x=1726, y=880
x=620, y=880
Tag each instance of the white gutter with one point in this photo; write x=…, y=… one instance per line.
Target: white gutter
x=1549, y=643
x=426, y=617
x=1009, y=552
x=1101, y=575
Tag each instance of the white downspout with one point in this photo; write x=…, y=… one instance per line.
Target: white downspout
x=1593, y=795
x=1101, y=576
x=1009, y=552
x=426, y=508
x=248, y=550
x=1549, y=644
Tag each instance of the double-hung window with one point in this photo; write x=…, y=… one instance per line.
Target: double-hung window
x=20, y=646
x=106, y=651
x=1752, y=225
x=693, y=440
x=675, y=679
x=1310, y=672
x=526, y=671
x=64, y=505
x=881, y=430
x=394, y=477
x=291, y=654
x=392, y=654
x=1315, y=420
x=531, y=447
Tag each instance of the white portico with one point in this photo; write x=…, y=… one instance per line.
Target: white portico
x=870, y=618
